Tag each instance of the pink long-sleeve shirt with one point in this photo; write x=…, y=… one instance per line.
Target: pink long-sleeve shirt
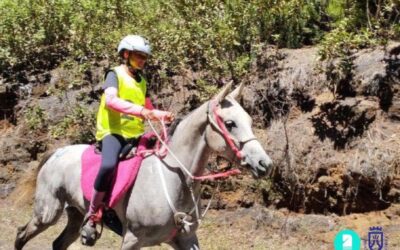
x=125, y=107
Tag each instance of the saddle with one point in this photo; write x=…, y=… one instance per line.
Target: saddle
x=124, y=174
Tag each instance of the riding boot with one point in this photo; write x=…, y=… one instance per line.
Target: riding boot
x=89, y=233
x=96, y=201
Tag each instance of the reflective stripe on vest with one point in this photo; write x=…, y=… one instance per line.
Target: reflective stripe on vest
x=113, y=122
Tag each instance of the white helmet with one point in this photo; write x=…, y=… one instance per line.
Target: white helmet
x=134, y=43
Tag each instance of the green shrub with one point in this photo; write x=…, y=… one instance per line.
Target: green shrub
x=211, y=35
x=30, y=27
x=343, y=39
x=78, y=126
x=35, y=117
x=217, y=36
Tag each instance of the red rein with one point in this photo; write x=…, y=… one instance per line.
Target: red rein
x=162, y=151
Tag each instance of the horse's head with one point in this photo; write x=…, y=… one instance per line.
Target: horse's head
x=229, y=132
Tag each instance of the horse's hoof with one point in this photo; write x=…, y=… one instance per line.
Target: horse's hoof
x=89, y=235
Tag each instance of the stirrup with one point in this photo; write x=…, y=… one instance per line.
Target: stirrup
x=89, y=233
x=183, y=221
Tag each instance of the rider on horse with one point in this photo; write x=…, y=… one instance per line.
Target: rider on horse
x=120, y=118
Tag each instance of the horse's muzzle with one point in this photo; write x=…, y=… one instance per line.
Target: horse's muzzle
x=263, y=168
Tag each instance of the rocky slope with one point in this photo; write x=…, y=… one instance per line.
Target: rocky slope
x=334, y=135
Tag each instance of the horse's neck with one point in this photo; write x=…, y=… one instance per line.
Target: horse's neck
x=190, y=147
x=188, y=142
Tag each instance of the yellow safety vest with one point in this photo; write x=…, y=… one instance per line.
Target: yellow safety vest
x=113, y=122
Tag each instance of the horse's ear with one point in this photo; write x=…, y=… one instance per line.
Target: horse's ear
x=237, y=92
x=224, y=92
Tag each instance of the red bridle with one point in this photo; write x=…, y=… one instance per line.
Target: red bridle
x=221, y=128
x=219, y=125
x=224, y=131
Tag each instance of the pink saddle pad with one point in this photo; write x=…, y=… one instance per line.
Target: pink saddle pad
x=124, y=176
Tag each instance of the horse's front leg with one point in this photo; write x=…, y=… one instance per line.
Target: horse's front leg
x=185, y=242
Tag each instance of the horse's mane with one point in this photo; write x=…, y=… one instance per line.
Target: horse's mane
x=171, y=129
x=173, y=126
x=175, y=123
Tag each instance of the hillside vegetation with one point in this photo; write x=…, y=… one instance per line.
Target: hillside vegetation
x=220, y=36
x=322, y=86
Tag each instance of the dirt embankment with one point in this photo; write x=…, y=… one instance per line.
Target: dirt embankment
x=335, y=140
x=334, y=136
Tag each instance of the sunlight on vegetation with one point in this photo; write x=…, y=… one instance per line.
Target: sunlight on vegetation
x=211, y=35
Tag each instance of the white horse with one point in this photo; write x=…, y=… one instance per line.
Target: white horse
x=158, y=208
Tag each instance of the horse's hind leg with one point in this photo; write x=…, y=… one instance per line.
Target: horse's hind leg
x=47, y=211
x=71, y=231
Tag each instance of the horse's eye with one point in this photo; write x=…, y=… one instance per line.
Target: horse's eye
x=229, y=125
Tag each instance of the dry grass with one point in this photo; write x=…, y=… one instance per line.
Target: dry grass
x=218, y=231
x=308, y=166
x=255, y=228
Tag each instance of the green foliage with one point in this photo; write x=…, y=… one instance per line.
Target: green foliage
x=336, y=9
x=210, y=35
x=343, y=39
x=35, y=117
x=220, y=37
x=357, y=25
x=337, y=47
x=76, y=74
x=29, y=27
x=206, y=90
x=78, y=126
x=293, y=23
x=380, y=17
x=396, y=30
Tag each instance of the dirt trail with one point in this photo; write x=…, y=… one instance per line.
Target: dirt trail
x=244, y=228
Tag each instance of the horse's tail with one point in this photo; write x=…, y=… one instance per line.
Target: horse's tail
x=24, y=192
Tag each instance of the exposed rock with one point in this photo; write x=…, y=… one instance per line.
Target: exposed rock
x=370, y=70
